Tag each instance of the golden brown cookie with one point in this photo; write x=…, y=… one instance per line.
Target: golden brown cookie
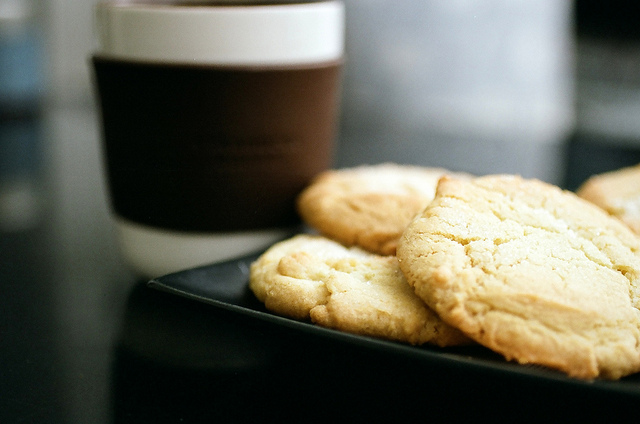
x=368, y=206
x=618, y=193
x=348, y=289
x=530, y=271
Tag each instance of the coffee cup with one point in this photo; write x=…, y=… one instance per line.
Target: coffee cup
x=214, y=117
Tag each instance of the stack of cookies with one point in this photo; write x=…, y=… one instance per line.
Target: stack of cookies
x=419, y=255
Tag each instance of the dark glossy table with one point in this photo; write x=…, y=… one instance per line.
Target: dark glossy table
x=83, y=341
x=83, y=347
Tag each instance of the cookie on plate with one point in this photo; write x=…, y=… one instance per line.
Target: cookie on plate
x=313, y=278
x=618, y=193
x=530, y=271
x=368, y=206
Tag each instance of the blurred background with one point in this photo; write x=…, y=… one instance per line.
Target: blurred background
x=538, y=88
x=543, y=88
x=546, y=89
x=478, y=86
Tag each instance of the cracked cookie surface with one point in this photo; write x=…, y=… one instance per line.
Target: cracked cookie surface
x=317, y=279
x=368, y=206
x=530, y=271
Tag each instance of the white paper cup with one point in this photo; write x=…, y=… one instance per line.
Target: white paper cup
x=213, y=118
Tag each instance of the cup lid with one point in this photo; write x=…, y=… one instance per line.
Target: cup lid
x=197, y=32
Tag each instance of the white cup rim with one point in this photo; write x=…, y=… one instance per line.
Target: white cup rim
x=279, y=34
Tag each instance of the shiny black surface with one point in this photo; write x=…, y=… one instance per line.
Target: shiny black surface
x=102, y=347
x=29, y=376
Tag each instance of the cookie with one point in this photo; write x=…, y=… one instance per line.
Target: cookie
x=313, y=278
x=530, y=271
x=618, y=193
x=368, y=206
